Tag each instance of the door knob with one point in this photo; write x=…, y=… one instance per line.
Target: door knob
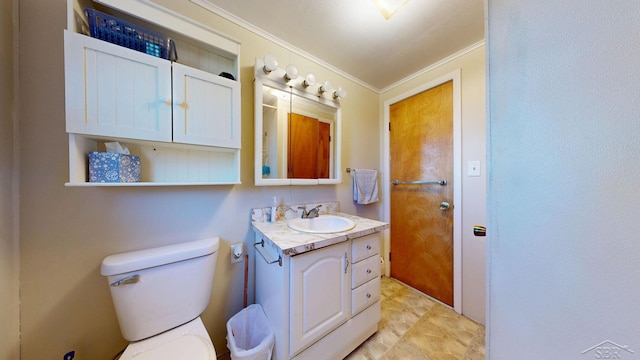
x=479, y=230
x=444, y=206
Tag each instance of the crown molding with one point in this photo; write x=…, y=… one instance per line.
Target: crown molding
x=260, y=32
x=435, y=65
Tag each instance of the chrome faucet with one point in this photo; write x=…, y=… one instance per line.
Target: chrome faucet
x=313, y=213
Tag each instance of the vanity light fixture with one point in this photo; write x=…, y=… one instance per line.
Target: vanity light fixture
x=340, y=93
x=291, y=73
x=267, y=67
x=309, y=80
x=325, y=87
x=270, y=64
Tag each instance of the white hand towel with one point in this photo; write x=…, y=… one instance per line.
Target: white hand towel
x=365, y=186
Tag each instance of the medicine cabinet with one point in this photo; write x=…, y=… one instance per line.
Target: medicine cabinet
x=297, y=131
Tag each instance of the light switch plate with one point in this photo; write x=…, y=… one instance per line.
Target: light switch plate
x=473, y=168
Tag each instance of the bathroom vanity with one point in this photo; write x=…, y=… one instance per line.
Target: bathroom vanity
x=320, y=291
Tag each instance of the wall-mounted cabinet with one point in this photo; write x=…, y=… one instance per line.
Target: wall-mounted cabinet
x=182, y=119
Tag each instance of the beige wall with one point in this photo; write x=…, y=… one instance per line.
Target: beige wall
x=66, y=232
x=472, y=78
x=9, y=256
x=564, y=189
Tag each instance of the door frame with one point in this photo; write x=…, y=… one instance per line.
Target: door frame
x=457, y=178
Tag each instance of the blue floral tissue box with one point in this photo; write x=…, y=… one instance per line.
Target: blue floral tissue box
x=110, y=167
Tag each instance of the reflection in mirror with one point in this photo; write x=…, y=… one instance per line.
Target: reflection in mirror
x=272, y=129
x=308, y=156
x=297, y=138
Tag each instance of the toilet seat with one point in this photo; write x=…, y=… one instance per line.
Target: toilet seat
x=189, y=341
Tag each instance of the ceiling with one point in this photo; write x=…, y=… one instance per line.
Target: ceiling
x=353, y=37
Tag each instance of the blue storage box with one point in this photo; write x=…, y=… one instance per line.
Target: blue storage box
x=117, y=31
x=107, y=167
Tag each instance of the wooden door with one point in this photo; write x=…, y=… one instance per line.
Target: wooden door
x=309, y=154
x=303, y=147
x=421, y=149
x=324, y=150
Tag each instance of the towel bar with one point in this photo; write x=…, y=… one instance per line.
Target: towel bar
x=278, y=260
x=419, y=182
x=354, y=170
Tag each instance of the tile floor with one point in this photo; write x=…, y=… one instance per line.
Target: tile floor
x=415, y=327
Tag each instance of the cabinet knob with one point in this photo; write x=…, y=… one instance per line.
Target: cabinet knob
x=368, y=271
x=368, y=296
x=368, y=247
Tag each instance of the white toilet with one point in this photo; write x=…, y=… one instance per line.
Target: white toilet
x=159, y=294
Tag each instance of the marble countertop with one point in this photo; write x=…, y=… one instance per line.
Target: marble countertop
x=291, y=242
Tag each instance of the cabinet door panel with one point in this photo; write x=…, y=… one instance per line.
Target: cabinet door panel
x=320, y=294
x=114, y=91
x=204, y=108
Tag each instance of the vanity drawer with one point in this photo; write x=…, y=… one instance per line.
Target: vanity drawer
x=365, y=295
x=365, y=247
x=364, y=271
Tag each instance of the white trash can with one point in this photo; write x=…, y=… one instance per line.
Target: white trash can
x=249, y=334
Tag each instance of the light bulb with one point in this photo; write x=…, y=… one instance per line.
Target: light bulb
x=291, y=73
x=326, y=87
x=270, y=64
x=309, y=80
x=340, y=93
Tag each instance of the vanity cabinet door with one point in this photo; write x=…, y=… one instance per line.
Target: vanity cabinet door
x=113, y=91
x=205, y=108
x=320, y=294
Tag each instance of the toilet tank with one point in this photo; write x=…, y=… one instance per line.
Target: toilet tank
x=157, y=289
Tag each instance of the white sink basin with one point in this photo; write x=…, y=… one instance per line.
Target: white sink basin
x=324, y=224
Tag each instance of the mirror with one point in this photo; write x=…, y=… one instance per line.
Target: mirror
x=297, y=132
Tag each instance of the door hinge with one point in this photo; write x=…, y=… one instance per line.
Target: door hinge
x=389, y=125
x=389, y=257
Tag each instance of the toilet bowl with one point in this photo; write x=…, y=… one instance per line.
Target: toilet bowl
x=159, y=294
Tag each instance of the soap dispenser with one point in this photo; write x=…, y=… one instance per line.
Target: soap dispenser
x=274, y=209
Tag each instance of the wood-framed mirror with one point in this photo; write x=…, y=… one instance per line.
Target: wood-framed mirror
x=297, y=132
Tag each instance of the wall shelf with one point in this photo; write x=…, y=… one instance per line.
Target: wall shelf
x=161, y=164
x=181, y=118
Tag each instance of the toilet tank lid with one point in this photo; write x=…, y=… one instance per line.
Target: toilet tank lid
x=147, y=258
